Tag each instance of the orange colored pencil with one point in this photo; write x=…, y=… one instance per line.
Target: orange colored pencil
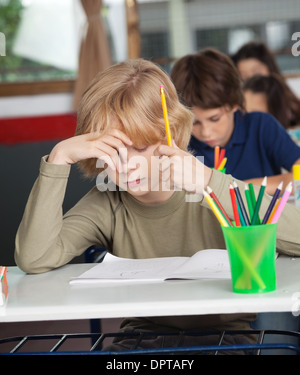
x=273, y=211
x=217, y=155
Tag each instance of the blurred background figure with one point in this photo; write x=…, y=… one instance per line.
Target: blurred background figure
x=272, y=95
x=255, y=58
x=265, y=88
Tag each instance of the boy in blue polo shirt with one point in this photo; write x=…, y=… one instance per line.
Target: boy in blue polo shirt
x=256, y=144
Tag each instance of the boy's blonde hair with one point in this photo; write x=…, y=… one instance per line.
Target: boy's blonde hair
x=127, y=96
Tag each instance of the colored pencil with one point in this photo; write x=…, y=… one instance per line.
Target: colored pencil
x=165, y=111
x=273, y=211
x=216, y=200
x=222, y=164
x=272, y=203
x=282, y=203
x=252, y=194
x=3, y=269
x=215, y=209
x=243, y=223
x=234, y=206
x=241, y=203
x=217, y=155
x=253, y=199
x=254, y=219
x=249, y=201
x=222, y=155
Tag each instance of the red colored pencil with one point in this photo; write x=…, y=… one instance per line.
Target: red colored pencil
x=222, y=155
x=213, y=195
x=234, y=206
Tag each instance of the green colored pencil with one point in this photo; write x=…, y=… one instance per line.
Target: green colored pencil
x=252, y=194
x=255, y=217
x=249, y=201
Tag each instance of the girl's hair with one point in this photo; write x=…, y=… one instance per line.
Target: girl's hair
x=127, y=96
x=259, y=51
x=207, y=79
x=280, y=102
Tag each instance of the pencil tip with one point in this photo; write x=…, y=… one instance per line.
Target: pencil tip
x=264, y=183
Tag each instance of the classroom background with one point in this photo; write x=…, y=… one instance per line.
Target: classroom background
x=48, y=56
x=51, y=49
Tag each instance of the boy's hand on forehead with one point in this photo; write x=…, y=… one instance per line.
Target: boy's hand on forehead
x=114, y=145
x=92, y=145
x=183, y=170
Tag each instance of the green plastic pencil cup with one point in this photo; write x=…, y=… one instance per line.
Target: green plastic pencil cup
x=252, y=253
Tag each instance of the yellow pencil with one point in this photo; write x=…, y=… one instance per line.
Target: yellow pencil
x=222, y=164
x=165, y=111
x=215, y=209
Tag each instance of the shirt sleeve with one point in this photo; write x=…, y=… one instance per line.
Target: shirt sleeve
x=45, y=238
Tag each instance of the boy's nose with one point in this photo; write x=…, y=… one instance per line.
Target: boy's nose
x=206, y=131
x=125, y=155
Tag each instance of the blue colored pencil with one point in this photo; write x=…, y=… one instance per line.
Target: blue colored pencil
x=272, y=203
x=242, y=221
x=241, y=204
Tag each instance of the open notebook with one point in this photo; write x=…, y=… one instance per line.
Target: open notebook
x=205, y=264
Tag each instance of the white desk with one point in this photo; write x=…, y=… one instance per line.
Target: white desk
x=49, y=296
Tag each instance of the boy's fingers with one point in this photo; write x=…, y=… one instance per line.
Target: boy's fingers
x=164, y=163
x=123, y=154
x=111, y=154
x=122, y=136
x=165, y=150
x=114, y=138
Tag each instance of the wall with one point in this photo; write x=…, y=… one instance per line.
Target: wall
x=34, y=105
x=61, y=103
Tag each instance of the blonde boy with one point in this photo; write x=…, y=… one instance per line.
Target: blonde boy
x=120, y=117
